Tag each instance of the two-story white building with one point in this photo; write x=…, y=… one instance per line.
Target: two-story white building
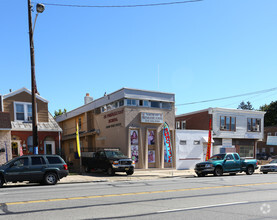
x=233, y=130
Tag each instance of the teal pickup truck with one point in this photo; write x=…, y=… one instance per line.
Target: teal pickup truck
x=226, y=163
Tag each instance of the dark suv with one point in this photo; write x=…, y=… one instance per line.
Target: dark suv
x=46, y=169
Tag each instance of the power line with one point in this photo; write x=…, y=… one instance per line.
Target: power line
x=121, y=6
x=229, y=97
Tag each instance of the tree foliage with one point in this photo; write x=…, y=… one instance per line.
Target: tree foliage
x=245, y=106
x=60, y=112
x=270, y=117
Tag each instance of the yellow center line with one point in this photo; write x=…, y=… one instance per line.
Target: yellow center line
x=136, y=193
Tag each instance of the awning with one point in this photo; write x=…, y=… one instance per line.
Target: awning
x=206, y=139
x=271, y=140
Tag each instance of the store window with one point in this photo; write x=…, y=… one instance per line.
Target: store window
x=246, y=151
x=131, y=102
x=155, y=104
x=254, y=124
x=23, y=111
x=227, y=123
x=166, y=105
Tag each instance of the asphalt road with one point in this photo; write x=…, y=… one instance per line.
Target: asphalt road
x=225, y=197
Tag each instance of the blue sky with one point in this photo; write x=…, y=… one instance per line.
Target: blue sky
x=199, y=51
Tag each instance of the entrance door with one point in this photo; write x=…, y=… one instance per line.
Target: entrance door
x=15, y=149
x=49, y=147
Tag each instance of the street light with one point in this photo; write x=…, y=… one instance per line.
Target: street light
x=40, y=9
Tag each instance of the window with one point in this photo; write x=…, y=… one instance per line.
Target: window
x=71, y=147
x=246, y=151
x=183, y=142
x=30, y=144
x=236, y=156
x=80, y=123
x=37, y=160
x=166, y=105
x=269, y=134
x=177, y=125
x=144, y=103
x=183, y=125
x=21, y=162
x=271, y=149
x=131, y=102
x=196, y=142
x=54, y=160
x=155, y=104
x=253, y=124
x=275, y=133
x=121, y=102
x=229, y=157
x=227, y=123
x=23, y=111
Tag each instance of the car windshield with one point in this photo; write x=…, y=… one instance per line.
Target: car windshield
x=217, y=157
x=273, y=161
x=114, y=154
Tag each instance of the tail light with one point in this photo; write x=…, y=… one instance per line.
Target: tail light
x=65, y=167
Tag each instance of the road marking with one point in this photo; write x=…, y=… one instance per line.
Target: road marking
x=202, y=207
x=137, y=193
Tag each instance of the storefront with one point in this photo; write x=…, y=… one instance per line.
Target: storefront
x=128, y=119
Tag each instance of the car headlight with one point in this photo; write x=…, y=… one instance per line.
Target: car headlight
x=208, y=165
x=115, y=163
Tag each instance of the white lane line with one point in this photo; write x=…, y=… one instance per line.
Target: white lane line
x=201, y=207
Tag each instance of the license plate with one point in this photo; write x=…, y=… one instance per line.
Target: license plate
x=126, y=168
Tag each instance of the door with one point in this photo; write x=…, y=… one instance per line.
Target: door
x=15, y=148
x=49, y=147
x=228, y=163
x=18, y=170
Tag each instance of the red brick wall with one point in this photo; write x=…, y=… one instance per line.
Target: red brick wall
x=23, y=135
x=197, y=121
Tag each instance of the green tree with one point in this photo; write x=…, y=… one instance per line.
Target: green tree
x=245, y=106
x=60, y=112
x=270, y=117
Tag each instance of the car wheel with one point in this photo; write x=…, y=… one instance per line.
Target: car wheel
x=110, y=171
x=249, y=170
x=130, y=172
x=1, y=181
x=218, y=171
x=50, y=179
x=265, y=172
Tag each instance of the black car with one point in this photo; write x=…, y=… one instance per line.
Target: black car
x=46, y=169
x=262, y=156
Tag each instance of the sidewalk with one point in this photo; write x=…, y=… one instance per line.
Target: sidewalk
x=139, y=174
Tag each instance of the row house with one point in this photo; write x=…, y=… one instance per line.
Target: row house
x=130, y=120
x=233, y=130
x=17, y=106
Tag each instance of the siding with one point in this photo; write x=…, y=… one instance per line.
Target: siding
x=42, y=107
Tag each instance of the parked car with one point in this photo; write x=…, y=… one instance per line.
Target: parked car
x=262, y=156
x=110, y=161
x=46, y=169
x=226, y=163
x=270, y=167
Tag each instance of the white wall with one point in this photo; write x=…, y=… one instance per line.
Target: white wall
x=189, y=154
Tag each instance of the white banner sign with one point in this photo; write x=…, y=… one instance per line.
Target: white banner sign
x=151, y=118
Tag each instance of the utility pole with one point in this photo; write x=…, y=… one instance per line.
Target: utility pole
x=32, y=54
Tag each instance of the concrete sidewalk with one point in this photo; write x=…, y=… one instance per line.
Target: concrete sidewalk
x=139, y=174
